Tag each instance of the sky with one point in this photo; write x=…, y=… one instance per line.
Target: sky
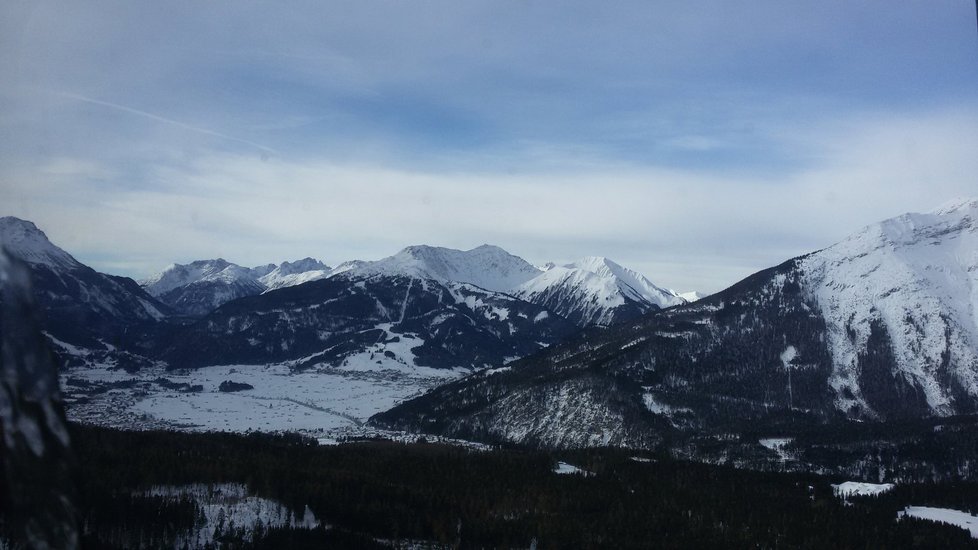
x=697, y=142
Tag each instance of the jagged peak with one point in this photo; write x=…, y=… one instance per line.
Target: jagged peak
x=216, y=262
x=295, y=273
x=299, y=266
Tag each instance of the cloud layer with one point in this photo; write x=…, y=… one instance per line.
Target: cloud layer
x=695, y=143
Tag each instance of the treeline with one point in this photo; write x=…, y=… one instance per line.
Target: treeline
x=376, y=493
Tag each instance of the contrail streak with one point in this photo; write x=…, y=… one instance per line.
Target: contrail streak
x=159, y=118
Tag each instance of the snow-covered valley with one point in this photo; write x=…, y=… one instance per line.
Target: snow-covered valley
x=322, y=402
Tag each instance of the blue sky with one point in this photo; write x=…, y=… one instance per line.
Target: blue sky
x=697, y=142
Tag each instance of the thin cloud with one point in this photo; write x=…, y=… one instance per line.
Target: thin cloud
x=684, y=229
x=163, y=119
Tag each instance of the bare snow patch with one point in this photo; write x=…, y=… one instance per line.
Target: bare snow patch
x=787, y=356
x=657, y=407
x=564, y=468
x=859, y=488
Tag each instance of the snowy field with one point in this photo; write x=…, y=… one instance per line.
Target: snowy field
x=858, y=488
x=564, y=468
x=963, y=520
x=318, y=402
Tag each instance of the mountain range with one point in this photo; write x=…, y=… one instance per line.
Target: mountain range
x=457, y=309
x=591, y=291
x=881, y=326
x=424, y=306
x=202, y=286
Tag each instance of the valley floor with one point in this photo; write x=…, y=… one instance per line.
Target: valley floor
x=323, y=402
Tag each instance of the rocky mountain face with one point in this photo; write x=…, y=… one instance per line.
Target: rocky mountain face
x=880, y=326
x=202, y=286
x=294, y=273
x=77, y=304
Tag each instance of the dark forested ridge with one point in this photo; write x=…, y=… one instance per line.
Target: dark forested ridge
x=379, y=493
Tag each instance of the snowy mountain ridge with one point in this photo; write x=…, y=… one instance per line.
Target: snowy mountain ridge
x=916, y=277
x=215, y=271
x=295, y=273
x=25, y=241
x=203, y=285
x=80, y=304
x=488, y=267
x=881, y=326
x=593, y=290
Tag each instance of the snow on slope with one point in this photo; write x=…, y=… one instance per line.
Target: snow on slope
x=177, y=275
x=61, y=279
x=593, y=288
x=858, y=488
x=295, y=273
x=488, y=267
x=691, y=296
x=916, y=276
x=201, y=286
x=957, y=518
x=25, y=241
x=630, y=283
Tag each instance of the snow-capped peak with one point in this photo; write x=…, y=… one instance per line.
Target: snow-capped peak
x=913, y=228
x=595, y=290
x=631, y=283
x=916, y=277
x=486, y=266
x=177, y=275
x=24, y=240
